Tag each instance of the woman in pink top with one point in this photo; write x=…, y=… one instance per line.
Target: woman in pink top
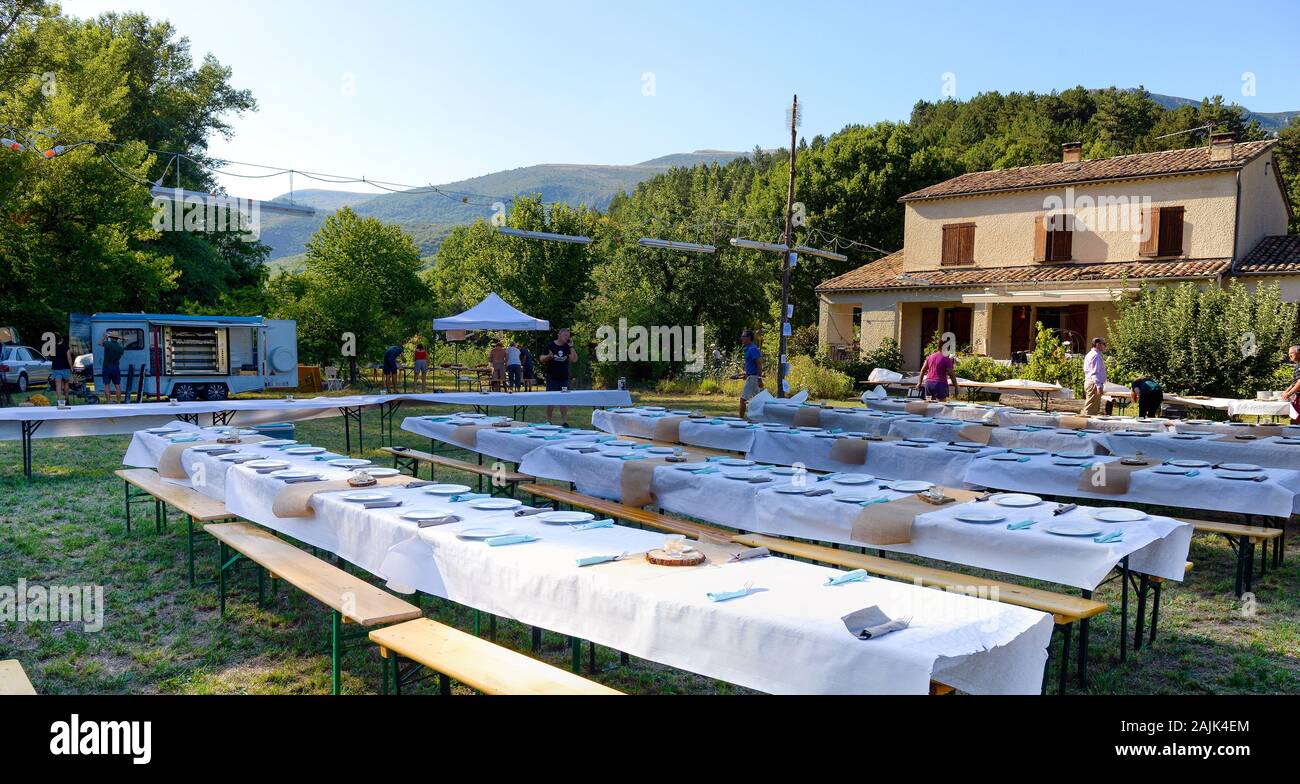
x=938, y=370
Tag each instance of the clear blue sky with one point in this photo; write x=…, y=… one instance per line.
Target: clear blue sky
x=432, y=92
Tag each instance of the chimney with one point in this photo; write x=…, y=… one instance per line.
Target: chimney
x=1071, y=152
x=1222, y=146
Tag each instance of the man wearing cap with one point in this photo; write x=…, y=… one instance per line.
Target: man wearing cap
x=753, y=370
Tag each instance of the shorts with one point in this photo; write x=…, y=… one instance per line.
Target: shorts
x=112, y=375
x=556, y=384
x=390, y=367
x=421, y=366
x=60, y=375
x=753, y=385
x=936, y=389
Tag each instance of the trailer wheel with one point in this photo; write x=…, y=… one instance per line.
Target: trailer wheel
x=215, y=392
x=185, y=393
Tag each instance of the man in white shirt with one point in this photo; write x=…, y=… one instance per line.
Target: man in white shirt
x=514, y=367
x=1094, y=377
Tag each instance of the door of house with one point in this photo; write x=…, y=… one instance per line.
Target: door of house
x=1070, y=323
x=958, y=322
x=1021, y=328
x=929, y=326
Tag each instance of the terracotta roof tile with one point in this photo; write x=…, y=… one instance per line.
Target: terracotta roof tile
x=1150, y=164
x=882, y=273
x=1273, y=254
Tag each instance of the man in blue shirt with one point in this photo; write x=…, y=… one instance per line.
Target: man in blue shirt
x=390, y=368
x=753, y=369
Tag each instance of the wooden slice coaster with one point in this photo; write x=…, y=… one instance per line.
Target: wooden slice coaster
x=661, y=558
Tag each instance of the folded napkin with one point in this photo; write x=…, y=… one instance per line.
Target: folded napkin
x=299, y=480
x=748, y=555
x=855, y=576
x=439, y=521
x=1113, y=536
x=455, y=499
x=594, y=524
x=381, y=504
x=587, y=450
x=530, y=512
x=327, y=456
x=872, y=501
x=758, y=480
x=1022, y=525
x=717, y=459
x=871, y=623
x=184, y=440
x=822, y=491
x=555, y=438
x=725, y=596
x=709, y=470
x=597, y=559
x=825, y=477
x=499, y=541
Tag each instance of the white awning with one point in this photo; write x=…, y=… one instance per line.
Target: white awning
x=492, y=313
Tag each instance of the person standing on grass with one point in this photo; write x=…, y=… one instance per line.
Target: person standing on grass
x=938, y=370
x=753, y=374
x=1094, y=377
x=1148, y=395
x=421, y=365
x=61, y=367
x=111, y=374
x=558, y=359
x=390, y=368
x=526, y=362
x=514, y=367
x=1292, y=392
x=497, y=359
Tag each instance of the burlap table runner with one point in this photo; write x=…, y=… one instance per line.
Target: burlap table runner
x=295, y=500
x=668, y=429
x=850, y=450
x=890, y=523
x=977, y=433
x=169, y=463
x=1111, y=478
x=807, y=417
x=634, y=482
x=916, y=407
x=467, y=435
x=1072, y=422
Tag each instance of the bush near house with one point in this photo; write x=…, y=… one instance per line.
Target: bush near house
x=819, y=381
x=1215, y=341
x=1049, y=362
x=804, y=341
x=983, y=369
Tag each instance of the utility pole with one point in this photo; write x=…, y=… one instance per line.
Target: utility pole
x=789, y=252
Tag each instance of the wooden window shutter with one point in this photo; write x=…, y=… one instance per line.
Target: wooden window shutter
x=1063, y=238
x=1171, y=231
x=1040, y=239
x=966, y=244
x=949, y=245
x=1151, y=228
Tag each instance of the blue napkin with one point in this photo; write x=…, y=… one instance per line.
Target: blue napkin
x=1113, y=536
x=1022, y=525
x=438, y=418
x=874, y=501
x=498, y=541
x=824, y=477
x=292, y=446
x=554, y=438
x=631, y=457
x=703, y=471
x=716, y=459
x=606, y=523
x=185, y=440
x=596, y=559
x=726, y=596
x=604, y=439
x=837, y=430
x=328, y=456
x=716, y=422
x=643, y=446
x=855, y=576
x=467, y=497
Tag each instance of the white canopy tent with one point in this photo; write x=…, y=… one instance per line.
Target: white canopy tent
x=492, y=313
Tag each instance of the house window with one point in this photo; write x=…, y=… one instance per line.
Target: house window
x=959, y=243
x=958, y=322
x=1054, y=237
x=1162, y=229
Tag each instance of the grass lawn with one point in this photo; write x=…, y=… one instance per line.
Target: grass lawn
x=66, y=527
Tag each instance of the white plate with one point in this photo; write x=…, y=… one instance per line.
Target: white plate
x=305, y=450
x=275, y=443
x=653, y=408
x=660, y=450
x=235, y=457
x=471, y=415
x=736, y=462
x=691, y=466
x=348, y=462
x=446, y=489
x=623, y=411
x=970, y=444
x=381, y=473
x=619, y=443
x=1060, y=461
x=496, y=503
x=547, y=427
x=210, y=447
x=910, y=486
x=1028, y=450
x=785, y=470
x=420, y=515
x=1185, y=437
x=293, y=473
x=578, y=445
x=791, y=489
x=979, y=517
x=1169, y=469
x=366, y=496
x=1016, y=499
x=1240, y=475
x=565, y=518
x=266, y=464
x=739, y=475
x=1073, y=455
x=484, y=533
x=731, y=419
x=1072, y=529
x=921, y=440
x=1239, y=467
x=852, y=498
x=1189, y=463
x=854, y=479
x=1006, y=457
x=774, y=425
x=1113, y=514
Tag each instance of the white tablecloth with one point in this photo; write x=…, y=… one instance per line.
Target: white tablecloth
x=1235, y=407
x=931, y=462
x=508, y=444
x=948, y=430
x=1275, y=497
x=145, y=449
x=1270, y=452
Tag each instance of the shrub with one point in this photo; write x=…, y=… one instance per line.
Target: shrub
x=819, y=381
x=887, y=355
x=1049, y=362
x=803, y=341
x=983, y=369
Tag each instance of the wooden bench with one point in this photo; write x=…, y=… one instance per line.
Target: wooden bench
x=477, y=663
x=351, y=599
x=13, y=681
x=632, y=514
x=1065, y=610
x=409, y=460
x=1243, y=539
x=197, y=507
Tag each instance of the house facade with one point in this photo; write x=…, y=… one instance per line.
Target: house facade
x=987, y=255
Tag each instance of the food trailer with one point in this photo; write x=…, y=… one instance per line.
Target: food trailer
x=193, y=357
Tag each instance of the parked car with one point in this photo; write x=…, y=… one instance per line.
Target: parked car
x=23, y=367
